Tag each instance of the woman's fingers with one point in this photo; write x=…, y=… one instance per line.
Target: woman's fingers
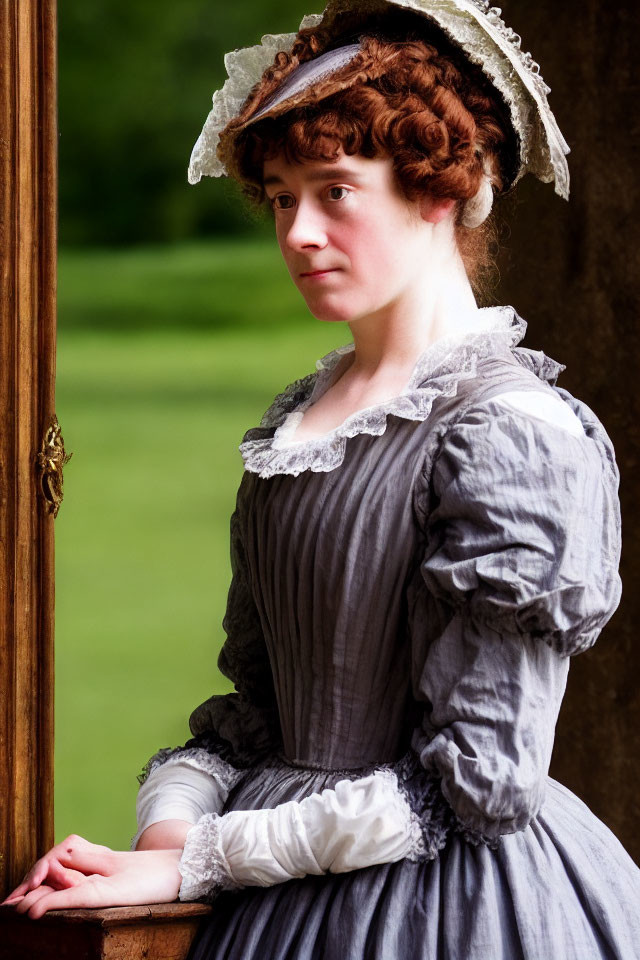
x=60, y=877
x=21, y=889
x=80, y=858
x=28, y=882
x=92, y=892
x=32, y=897
x=57, y=877
x=41, y=869
x=87, y=858
x=33, y=879
x=118, y=878
x=38, y=873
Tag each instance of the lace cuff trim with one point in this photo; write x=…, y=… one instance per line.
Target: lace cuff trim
x=203, y=865
x=437, y=373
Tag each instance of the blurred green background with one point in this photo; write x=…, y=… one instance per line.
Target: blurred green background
x=177, y=325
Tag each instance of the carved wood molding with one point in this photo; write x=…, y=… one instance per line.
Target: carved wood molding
x=28, y=155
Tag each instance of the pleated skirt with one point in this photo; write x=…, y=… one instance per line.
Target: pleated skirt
x=562, y=889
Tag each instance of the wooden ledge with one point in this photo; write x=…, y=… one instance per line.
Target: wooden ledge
x=157, y=931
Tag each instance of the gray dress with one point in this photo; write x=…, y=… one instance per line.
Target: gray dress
x=406, y=594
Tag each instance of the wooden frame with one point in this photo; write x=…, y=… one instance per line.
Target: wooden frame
x=27, y=384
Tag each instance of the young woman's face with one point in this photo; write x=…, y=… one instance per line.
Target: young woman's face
x=352, y=242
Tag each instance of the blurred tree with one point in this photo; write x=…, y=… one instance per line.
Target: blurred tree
x=136, y=80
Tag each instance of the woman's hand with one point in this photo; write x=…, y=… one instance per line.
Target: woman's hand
x=77, y=873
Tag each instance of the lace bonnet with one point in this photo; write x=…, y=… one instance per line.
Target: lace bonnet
x=472, y=25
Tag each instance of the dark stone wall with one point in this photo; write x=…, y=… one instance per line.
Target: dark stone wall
x=571, y=270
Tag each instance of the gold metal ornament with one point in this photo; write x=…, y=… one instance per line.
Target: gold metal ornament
x=51, y=460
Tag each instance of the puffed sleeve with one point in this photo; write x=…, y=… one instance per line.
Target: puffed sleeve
x=231, y=732
x=522, y=536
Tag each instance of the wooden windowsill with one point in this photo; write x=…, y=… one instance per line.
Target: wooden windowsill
x=159, y=931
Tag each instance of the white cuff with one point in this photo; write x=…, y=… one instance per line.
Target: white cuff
x=358, y=824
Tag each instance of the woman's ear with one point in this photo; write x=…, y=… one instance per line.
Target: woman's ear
x=434, y=209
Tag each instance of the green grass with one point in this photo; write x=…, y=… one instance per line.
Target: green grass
x=165, y=358
x=193, y=285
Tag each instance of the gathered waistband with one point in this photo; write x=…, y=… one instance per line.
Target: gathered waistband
x=360, y=770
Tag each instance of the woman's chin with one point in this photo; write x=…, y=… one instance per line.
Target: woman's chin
x=331, y=313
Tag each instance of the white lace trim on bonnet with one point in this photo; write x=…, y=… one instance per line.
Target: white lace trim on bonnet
x=474, y=26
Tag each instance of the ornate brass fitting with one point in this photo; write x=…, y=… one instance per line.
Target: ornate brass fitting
x=51, y=460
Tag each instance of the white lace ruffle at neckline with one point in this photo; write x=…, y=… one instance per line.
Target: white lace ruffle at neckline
x=437, y=372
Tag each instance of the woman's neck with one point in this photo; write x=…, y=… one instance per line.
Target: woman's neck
x=440, y=304
x=388, y=344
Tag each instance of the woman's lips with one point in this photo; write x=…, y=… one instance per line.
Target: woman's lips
x=314, y=274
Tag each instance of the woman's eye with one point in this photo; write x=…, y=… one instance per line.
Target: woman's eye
x=282, y=202
x=337, y=190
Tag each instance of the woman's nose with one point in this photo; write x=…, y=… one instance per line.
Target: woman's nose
x=306, y=229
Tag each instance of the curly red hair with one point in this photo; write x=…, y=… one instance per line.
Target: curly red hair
x=424, y=106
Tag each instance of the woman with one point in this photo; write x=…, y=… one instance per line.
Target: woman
x=426, y=530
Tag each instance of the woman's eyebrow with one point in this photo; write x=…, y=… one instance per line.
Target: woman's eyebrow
x=334, y=173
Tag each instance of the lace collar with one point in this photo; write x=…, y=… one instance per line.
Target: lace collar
x=437, y=372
